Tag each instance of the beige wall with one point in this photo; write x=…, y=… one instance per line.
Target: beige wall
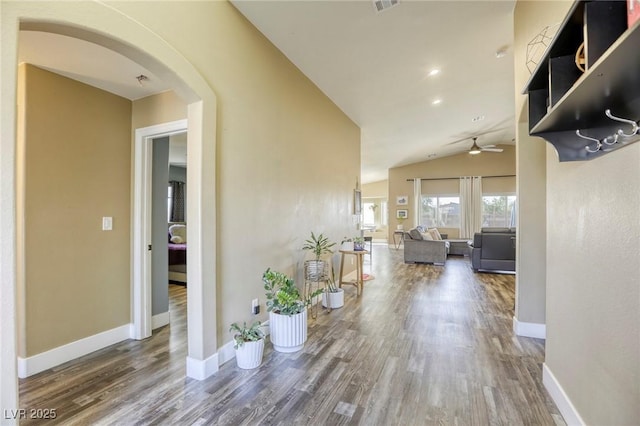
x=77, y=162
x=287, y=158
x=378, y=189
x=157, y=109
x=485, y=164
x=531, y=175
x=592, y=292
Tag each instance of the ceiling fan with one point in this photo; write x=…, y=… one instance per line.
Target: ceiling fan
x=475, y=149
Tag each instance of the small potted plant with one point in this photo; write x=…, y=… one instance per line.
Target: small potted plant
x=249, y=344
x=287, y=311
x=358, y=244
x=346, y=244
x=316, y=270
x=400, y=226
x=333, y=297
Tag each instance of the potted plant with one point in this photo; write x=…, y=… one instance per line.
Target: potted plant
x=346, y=244
x=333, y=297
x=358, y=244
x=316, y=270
x=287, y=311
x=400, y=226
x=249, y=344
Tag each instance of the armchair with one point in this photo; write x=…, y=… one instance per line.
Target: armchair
x=494, y=249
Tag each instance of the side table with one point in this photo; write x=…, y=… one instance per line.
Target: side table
x=398, y=237
x=359, y=282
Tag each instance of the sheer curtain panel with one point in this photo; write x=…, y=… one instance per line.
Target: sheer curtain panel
x=470, y=205
x=417, y=201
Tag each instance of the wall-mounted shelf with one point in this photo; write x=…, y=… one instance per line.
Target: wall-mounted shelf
x=563, y=99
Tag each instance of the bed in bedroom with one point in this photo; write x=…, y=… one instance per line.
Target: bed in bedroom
x=178, y=253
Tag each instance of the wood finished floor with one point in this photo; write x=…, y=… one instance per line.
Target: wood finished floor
x=424, y=345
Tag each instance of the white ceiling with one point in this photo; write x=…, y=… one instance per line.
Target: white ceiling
x=374, y=66
x=88, y=63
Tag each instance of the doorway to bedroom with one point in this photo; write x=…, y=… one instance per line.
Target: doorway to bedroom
x=168, y=226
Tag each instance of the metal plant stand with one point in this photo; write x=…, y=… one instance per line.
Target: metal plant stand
x=315, y=273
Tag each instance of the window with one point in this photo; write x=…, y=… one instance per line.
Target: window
x=498, y=211
x=440, y=211
x=374, y=212
x=369, y=214
x=384, y=213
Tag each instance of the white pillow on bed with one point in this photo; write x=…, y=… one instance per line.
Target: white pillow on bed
x=177, y=239
x=178, y=230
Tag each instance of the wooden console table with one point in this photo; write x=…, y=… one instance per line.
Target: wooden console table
x=359, y=282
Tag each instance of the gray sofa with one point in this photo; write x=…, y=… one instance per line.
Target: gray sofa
x=494, y=249
x=418, y=250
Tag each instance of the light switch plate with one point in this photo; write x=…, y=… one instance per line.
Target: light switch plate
x=107, y=223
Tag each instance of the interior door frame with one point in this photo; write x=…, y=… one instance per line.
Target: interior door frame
x=141, y=224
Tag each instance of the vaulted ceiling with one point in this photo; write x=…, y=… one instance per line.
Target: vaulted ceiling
x=377, y=67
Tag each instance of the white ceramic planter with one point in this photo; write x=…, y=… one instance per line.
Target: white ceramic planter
x=249, y=355
x=333, y=300
x=288, y=332
x=347, y=246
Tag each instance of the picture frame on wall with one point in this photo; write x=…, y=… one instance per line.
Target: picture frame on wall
x=357, y=202
x=402, y=200
x=402, y=214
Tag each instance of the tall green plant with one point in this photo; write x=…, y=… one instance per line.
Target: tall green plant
x=318, y=245
x=283, y=297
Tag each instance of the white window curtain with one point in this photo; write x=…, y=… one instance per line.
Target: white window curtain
x=470, y=205
x=417, y=201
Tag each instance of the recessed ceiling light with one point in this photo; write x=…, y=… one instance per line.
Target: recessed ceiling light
x=478, y=118
x=433, y=72
x=436, y=101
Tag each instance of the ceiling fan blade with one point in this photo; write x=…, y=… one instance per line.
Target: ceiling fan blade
x=485, y=149
x=458, y=141
x=490, y=146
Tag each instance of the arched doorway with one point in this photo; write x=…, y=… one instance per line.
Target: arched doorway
x=103, y=25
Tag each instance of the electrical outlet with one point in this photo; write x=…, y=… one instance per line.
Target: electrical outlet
x=255, y=307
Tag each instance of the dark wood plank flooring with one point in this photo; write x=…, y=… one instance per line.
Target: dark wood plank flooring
x=424, y=345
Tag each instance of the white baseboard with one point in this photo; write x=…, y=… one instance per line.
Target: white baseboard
x=529, y=329
x=226, y=353
x=201, y=369
x=160, y=320
x=54, y=357
x=568, y=411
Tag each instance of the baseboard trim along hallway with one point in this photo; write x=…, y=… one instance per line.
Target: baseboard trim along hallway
x=56, y=356
x=557, y=393
x=201, y=369
x=529, y=329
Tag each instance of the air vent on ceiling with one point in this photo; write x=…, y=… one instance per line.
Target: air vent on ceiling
x=381, y=5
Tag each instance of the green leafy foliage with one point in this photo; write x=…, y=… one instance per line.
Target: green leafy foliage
x=283, y=297
x=243, y=334
x=319, y=245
